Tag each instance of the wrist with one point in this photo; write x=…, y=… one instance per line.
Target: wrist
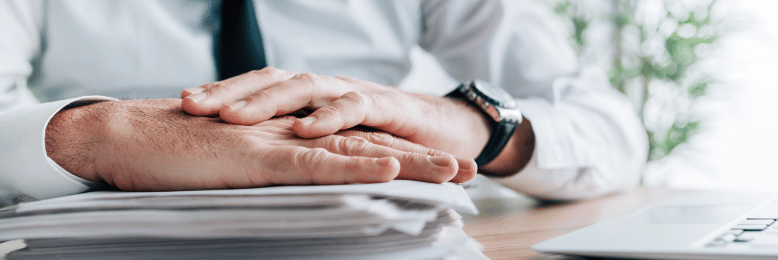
x=447, y=124
x=72, y=140
x=476, y=124
x=516, y=154
x=500, y=110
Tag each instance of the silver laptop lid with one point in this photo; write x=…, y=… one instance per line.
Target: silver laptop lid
x=676, y=228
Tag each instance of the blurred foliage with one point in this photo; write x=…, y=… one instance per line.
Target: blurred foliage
x=580, y=23
x=667, y=52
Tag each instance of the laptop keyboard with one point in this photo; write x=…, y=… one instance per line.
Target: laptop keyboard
x=759, y=230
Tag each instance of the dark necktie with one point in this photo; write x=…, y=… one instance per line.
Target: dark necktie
x=239, y=43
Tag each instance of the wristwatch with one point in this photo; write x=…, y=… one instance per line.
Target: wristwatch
x=499, y=107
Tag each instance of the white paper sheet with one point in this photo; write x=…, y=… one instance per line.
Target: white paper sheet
x=395, y=220
x=448, y=195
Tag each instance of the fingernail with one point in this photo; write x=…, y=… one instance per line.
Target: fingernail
x=308, y=120
x=193, y=91
x=441, y=160
x=238, y=104
x=383, y=161
x=199, y=96
x=466, y=163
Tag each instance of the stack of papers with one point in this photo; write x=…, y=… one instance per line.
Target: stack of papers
x=395, y=220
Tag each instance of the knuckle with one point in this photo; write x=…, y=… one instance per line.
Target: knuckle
x=310, y=79
x=381, y=138
x=352, y=145
x=331, y=143
x=270, y=72
x=311, y=161
x=407, y=157
x=433, y=152
x=360, y=99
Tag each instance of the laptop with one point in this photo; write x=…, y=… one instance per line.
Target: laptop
x=708, y=225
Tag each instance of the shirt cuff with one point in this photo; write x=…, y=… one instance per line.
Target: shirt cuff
x=25, y=167
x=552, y=162
x=551, y=151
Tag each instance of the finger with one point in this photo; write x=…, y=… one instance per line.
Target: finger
x=347, y=111
x=299, y=165
x=191, y=91
x=388, y=140
x=413, y=166
x=467, y=166
x=302, y=90
x=467, y=170
x=210, y=98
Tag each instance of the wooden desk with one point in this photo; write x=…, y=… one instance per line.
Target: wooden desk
x=508, y=227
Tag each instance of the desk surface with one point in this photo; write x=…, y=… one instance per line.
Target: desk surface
x=507, y=227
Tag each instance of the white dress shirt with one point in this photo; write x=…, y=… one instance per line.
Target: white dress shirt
x=52, y=53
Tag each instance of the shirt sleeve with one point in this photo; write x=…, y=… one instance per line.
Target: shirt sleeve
x=589, y=141
x=26, y=172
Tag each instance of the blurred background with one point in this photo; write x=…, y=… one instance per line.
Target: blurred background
x=700, y=73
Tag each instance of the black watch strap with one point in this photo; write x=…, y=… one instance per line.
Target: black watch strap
x=500, y=136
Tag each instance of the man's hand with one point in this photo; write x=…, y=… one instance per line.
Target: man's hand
x=153, y=145
x=341, y=103
x=448, y=125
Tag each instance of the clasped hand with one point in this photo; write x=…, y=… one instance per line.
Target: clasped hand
x=340, y=103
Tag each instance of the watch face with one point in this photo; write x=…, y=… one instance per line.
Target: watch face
x=498, y=96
